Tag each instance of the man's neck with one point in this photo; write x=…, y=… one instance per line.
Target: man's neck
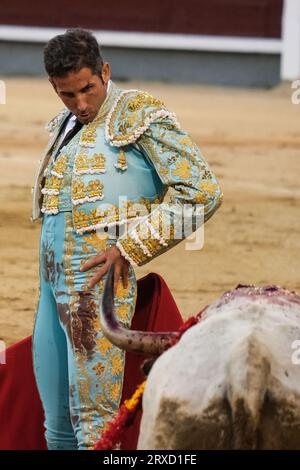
x=112, y=93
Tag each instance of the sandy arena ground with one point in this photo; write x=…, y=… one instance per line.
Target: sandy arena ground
x=251, y=139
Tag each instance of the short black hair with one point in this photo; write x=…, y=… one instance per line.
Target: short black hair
x=71, y=51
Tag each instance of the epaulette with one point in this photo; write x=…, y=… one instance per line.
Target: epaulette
x=132, y=114
x=52, y=125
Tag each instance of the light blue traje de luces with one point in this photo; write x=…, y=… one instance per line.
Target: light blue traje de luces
x=101, y=184
x=79, y=373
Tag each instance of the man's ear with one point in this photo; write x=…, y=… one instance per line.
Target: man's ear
x=52, y=83
x=105, y=72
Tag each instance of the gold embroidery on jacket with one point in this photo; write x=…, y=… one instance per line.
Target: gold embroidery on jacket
x=122, y=162
x=50, y=203
x=89, y=135
x=183, y=169
x=86, y=221
x=142, y=99
x=209, y=187
x=53, y=185
x=60, y=166
x=92, y=192
x=84, y=164
x=127, y=123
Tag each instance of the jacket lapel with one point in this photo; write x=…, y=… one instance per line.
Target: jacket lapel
x=36, y=190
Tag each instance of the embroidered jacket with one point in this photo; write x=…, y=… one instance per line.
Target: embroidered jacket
x=123, y=163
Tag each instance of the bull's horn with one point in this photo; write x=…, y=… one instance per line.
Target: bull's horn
x=137, y=341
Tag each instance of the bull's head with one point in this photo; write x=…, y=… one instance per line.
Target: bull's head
x=152, y=344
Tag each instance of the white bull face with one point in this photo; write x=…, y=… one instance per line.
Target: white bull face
x=230, y=383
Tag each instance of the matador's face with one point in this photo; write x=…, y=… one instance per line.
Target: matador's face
x=83, y=92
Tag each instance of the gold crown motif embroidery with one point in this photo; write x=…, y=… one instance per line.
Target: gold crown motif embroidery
x=84, y=164
x=94, y=190
x=122, y=162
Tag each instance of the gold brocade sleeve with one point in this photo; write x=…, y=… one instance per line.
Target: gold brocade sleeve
x=196, y=193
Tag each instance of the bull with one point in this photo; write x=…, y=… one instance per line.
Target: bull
x=231, y=382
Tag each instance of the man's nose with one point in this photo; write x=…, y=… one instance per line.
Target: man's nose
x=81, y=104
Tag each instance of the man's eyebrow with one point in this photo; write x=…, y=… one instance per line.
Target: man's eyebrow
x=65, y=92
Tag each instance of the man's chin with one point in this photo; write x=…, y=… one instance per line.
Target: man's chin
x=86, y=119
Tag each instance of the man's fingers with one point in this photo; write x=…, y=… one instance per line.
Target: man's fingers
x=93, y=262
x=98, y=275
x=121, y=268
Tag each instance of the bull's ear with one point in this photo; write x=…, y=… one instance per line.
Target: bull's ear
x=147, y=365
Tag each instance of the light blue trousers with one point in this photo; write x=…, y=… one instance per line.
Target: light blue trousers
x=79, y=373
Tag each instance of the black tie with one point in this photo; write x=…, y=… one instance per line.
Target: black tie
x=69, y=136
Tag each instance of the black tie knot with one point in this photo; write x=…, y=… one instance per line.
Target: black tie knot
x=69, y=136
